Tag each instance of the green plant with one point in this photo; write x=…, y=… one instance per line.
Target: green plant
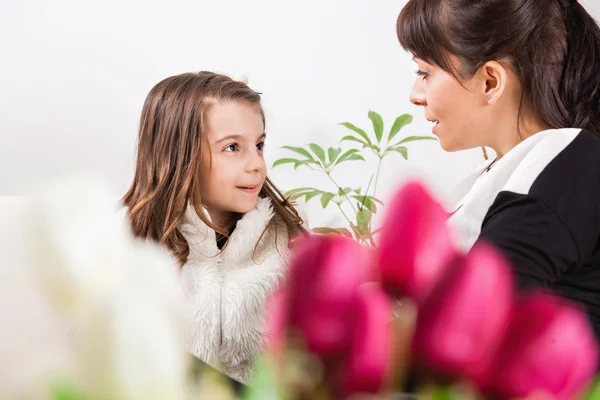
x=356, y=206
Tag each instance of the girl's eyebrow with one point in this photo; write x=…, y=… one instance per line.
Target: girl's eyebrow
x=237, y=137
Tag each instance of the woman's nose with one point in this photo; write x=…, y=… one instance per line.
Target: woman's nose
x=417, y=95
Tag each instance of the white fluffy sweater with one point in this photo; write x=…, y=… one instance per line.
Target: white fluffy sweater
x=227, y=290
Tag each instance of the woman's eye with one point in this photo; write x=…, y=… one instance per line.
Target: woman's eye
x=231, y=148
x=260, y=146
x=422, y=73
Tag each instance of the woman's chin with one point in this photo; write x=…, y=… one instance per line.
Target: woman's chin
x=451, y=145
x=447, y=145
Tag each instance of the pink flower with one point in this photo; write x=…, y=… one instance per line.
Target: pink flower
x=276, y=320
x=549, y=347
x=369, y=359
x=415, y=244
x=466, y=315
x=322, y=292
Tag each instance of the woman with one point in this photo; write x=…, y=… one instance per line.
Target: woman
x=521, y=77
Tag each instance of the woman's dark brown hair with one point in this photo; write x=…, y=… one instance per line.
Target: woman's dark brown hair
x=552, y=45
x=171, y=143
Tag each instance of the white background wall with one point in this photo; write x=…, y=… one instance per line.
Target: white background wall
x=74, y=75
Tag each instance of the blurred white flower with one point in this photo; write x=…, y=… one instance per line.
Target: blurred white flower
x=79, y=243
x=121, y=294
x=128, y=350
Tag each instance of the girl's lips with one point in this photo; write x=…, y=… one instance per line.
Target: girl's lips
x=248, y=189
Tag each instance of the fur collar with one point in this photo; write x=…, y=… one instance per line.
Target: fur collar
x=228, y=290
x=242, y=242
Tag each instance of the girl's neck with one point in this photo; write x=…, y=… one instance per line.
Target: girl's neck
x=225, y=221
x=221, y=219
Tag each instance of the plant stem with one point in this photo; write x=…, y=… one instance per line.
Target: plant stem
x=342, y=190
x=377, y=177
x=363, y=239
x=344, y=214
x=375, y=194
x=370, y=238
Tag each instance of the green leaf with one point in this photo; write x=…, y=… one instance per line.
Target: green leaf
x=373, y=147
x=368, y=201
x=400, y=149
x=355, y=157
x=312, y=194
x=295, y=194
x=64, y=392
x=284, y=161
x=345, y=232
x=344, y=191
x=318, y=150
x=337, y=231
x=594, y=391
x=304, y=162
x=445, y=393
x=349, y=155
x=363, y=201
x=326, y=198
x=400, y=122
x=377, y=124
x=333, y=154
x=263, y=385
x=353, y=139
x=363, y=217
x=298, y=190
x=362, y=133
x=300, y=151
x=356, y=231
x=415, y=138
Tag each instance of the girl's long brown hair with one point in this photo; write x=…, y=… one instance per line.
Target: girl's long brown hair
x=171, y=144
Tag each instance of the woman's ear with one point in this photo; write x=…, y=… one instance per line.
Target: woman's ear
x=493, y=76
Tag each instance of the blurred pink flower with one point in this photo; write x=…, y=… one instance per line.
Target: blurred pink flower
x=549, y=347
x=415, y=244
x=369, y=360
x=322, y=291
x=276, y=321
x=463, y=320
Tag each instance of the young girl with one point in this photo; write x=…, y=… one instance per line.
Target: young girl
x=201, y=189
x=521, y=77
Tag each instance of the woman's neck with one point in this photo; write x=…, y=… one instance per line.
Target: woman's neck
x=512, y=136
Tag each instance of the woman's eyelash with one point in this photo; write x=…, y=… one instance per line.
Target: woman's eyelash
x=422, y=73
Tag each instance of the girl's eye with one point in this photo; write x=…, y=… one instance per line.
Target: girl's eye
x=422, y=73
x=260, y=146
x=231, y=148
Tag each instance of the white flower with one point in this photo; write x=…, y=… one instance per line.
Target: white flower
x=79, y=244
x=128, y=350
x=120, y=293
